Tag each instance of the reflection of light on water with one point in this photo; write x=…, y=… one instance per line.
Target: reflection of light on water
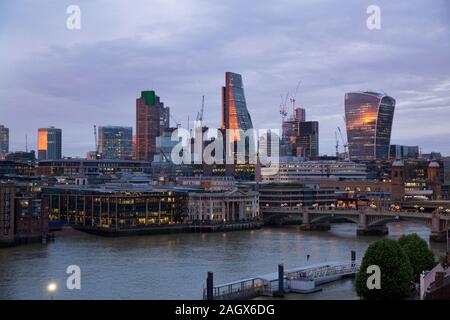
x=333, y=248
x=298, y=244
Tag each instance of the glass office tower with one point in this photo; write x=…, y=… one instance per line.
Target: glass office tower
x=234, y=108
x=368, y=117
x=115, y=142
x=49, y=143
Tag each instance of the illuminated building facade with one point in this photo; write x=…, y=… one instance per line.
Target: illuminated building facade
x=115, y=142
x=115, y=207
x=234, y=108
x=4, y=141
x=49, y=143
x=369, y=117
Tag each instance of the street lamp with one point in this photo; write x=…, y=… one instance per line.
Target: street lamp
x=51, y=288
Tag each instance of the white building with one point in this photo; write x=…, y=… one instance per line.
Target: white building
x=223, y=207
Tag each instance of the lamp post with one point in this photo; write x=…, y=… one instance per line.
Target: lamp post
x=51, y=288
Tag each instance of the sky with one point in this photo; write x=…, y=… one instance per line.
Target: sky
x=73, y=79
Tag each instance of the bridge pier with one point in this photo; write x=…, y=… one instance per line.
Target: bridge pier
x=440, y=236
x=438, y=229
x=373, y=231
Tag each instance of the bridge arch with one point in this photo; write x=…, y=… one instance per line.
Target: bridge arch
x=329, y=218
x=385, y=220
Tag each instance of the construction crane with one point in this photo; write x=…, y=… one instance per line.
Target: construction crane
x=200, y=113
x=337, y=143
x=175, y=120
x=283, y=106
x=344, y=144
x=294, y=97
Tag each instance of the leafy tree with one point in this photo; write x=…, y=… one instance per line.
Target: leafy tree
x=396, y=271
x=420, y=256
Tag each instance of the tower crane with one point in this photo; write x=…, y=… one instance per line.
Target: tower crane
x=293, y=98
x=200, y=113
x=175, y=120
x=283, y=106
x=344, y=144
x=337, y=143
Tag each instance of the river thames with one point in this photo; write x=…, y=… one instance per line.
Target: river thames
x=174, y=266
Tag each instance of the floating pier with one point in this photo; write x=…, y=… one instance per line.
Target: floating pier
x=304, y=279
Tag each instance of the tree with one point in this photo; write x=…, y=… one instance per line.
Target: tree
x=395, y=271
x=420, y=256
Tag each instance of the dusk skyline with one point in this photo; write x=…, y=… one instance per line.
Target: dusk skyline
x=74, y=79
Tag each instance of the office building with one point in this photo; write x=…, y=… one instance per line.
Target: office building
x=289, y=196
x=369, y=117
x=115, y=142
x=223, y=207
x=4, y=141
x=148, y=124
x=69, y=167
x=300, y=139
x=49, y=143
x=397, y=151
x=114, y=207
x=307, y=143
x=164, y=118
x=294, y=170
x=234, y=107
x=7, y=196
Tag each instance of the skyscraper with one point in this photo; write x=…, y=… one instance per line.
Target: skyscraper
x=49, y=143
x=369, y=117
x=148, y=124
x=300, y=137
x=4, y=141
x=308, y=139
x=300, y=114
x=164, y=118
x=115, y=142
x=234, y=108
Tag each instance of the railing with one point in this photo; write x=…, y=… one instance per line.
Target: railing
x=240, y=289
x=324, y=271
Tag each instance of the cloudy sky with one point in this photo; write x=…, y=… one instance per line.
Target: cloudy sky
x=74, y=79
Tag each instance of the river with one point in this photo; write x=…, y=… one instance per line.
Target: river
x=174, y=266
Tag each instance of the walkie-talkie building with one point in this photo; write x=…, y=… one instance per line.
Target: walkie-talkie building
x=368, y=117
